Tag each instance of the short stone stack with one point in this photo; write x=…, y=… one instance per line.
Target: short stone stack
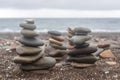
x=56, y=41
x=106, y=53
x=30, y=54
x=81, y=55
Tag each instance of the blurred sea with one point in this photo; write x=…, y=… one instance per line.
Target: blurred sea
x=61, y=24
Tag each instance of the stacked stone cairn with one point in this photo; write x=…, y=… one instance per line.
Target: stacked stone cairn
x=81, y=55
x=31, y=51
x=56, y=42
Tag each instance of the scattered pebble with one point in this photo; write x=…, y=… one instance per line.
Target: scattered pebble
x=111, y=62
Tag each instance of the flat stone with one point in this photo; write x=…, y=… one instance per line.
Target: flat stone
x=58, y=46
x=30, y=21
x=85, y=59
x=55, y=33
x=28, y=33
x=55, y=41
x=81, y=31
x=81, y=65
x=107, y=54
x=78, y=40
x=103, y=44
x=59, y=38
x=98, y=52
x=111, y=62
x=82, y=51
x=42, y=64
x=57, y=53
x=27, y=59
x=82, y=45
x=33, y=42
x=27, y=26
x=26, y=50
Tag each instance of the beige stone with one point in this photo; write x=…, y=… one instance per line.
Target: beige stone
x=55, y=41
x=111, y=62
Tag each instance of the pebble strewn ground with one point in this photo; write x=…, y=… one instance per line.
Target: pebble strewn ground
x=103, y=71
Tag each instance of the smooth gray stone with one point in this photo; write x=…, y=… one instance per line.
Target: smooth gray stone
x=26, y=50
x=30, y=21
x=27, y=26
x=42, y=64
x=58, y=46
x=82, y=46
x=55, y=33
x=80, y=30
x=33, y=42
x=78, y=40
x=82, y=51
x=27, y=59
x=57, y=53
x=28, y=33
x=99, y=50
x=85, y=59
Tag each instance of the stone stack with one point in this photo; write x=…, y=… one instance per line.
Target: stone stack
x=30, y=52
x=81, y=53
x=56, y=42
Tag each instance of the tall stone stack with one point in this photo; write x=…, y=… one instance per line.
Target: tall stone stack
x=56, y=41
x=30, y=52
x=82, y=52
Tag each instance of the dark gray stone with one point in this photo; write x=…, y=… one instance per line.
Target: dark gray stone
x=81, y=31
x=25, y=50
x=82, y=46
x=58, y=46
x=82, y=51
x=27, y=26
x=86, y=59
x=55, y=33
x=33, y=42
x=57, y=53
x=78, y=40
x=41, y=64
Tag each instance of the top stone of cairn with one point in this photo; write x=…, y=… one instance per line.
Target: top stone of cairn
x=81, y=31
x=30, y=21
x=55, y=33
x=28, y=24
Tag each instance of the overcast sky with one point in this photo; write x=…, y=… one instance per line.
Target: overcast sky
x=36, y=8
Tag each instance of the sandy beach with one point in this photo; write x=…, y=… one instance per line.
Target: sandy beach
x=10, y=71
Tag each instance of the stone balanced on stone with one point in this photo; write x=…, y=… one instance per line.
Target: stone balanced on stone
x=81, y=53
x=30, y=53
x=57, y=43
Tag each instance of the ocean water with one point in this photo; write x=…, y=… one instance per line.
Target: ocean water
x=61, y=24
